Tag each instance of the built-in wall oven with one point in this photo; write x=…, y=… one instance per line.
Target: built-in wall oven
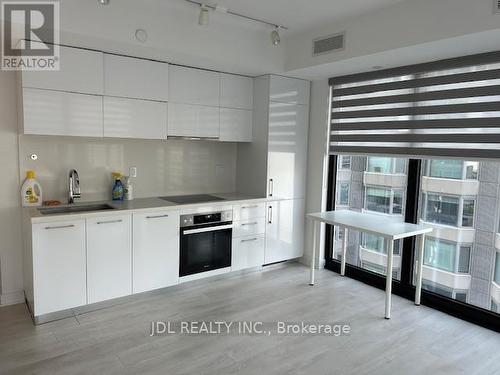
x=206, y=240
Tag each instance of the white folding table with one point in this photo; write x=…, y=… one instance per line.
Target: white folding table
x=378, y=225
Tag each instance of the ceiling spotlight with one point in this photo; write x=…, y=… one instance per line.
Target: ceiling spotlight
x=103, y=2
x=141, y=35
x=275, y=36
x=203, y=17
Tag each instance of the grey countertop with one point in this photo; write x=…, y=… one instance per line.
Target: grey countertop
x=138, y=205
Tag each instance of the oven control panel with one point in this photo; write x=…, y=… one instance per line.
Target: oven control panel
x=206, y=218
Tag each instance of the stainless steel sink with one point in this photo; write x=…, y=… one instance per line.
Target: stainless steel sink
x=75, y=209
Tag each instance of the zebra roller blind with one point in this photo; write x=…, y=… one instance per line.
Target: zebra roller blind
x=448, y=108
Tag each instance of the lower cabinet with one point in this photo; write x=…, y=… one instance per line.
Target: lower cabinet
x=248, y=252
x=109, y=258
x=59, y=272
x=156, y=250
x=284, y=230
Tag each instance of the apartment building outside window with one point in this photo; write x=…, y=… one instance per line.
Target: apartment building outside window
x=343, y=194
x=451, y=169
x=496, y=275
x=448, y=210
x=446, y=255
x=384, y=200
x=345, y=162
x=386, y=165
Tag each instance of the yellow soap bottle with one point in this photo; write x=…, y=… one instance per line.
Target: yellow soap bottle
x=31, y=191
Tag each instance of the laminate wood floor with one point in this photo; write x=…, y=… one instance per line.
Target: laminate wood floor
x=116, y=340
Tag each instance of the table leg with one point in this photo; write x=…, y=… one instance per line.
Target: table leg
x=313, y=258
x=420, y=264
x=388, y=282
x=344, y=252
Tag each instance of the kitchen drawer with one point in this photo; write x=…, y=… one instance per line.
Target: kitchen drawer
x=249, y=210
x=248, y=252
x=249, y=227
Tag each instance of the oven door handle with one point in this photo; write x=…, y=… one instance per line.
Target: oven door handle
x=207, y=229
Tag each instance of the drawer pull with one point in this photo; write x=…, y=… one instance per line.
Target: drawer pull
x=248, y=207
x=254, y=223
x=250, y=239
x=110, y=221
x=156, y=217
x=61, y=226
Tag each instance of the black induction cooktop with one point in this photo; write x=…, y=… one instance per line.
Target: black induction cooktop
x=196, y=198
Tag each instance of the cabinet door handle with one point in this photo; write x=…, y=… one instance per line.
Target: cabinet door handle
x=270, y=214
x=61, y=226
x=254, y=223
x=250, y=239
x=271, y=187
x=110, y=221
x=156, y=217
x=248, y=207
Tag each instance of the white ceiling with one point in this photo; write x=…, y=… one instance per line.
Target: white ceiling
x=300, y=15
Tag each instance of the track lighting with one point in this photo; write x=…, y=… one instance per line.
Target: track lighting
x=275, y=36
x=203, y=18
x=103, y=2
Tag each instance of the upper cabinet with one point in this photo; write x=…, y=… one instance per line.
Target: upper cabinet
x=133, y=118
x=81, y=72
x=197, y=121
x=289, y=90
x=236, y=91
x=235, y=125
x=130, y=77
x=194, y=86
x=49, y=112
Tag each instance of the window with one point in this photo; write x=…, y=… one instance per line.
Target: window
x=496, y=276
x=468, y=213
x=384, y=165
x=376, y=243
x=343, y=198
x=440, y=254
x=464, y=259
x=378, y=200
x=344, y=162
x=495, y=307
x=384, y=200
x=452, y=169
x=446, y=169
x=442, y=209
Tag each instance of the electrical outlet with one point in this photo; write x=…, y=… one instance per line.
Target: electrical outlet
x=132, y=171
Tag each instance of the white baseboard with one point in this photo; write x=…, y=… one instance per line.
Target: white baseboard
x=11, y=298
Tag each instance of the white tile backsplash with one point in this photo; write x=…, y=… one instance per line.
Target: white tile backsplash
x=163, y=167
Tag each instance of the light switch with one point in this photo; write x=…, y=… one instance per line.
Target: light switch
x=132, y=171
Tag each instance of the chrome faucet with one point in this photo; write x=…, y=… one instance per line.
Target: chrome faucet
x=74, y=186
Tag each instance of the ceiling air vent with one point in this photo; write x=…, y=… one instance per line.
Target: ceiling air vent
x=496, y=6
x=329, y=44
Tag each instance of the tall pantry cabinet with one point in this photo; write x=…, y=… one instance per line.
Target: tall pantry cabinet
x=278, y=157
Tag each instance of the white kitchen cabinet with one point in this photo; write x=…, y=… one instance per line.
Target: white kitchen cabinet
x=132, y=118
x=62, y=113
x=156, y=250
x=109, y=257
x=247, y=252
x=80, y=71
x=194, y=86
x=236, y=91
x=186, y=120
x=289, y=90
x=131, y=77
x=249, y=227
x=250, y=210
x=59, y=267
x=284, y=230
x=287, y=150
x=235, y=125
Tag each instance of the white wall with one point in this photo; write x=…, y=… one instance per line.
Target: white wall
x=11, y=277
x=227, y=43
x=317, y=165
x=436, y=25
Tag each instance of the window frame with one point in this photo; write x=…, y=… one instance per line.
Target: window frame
x=391, y=200
x=459, y=221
